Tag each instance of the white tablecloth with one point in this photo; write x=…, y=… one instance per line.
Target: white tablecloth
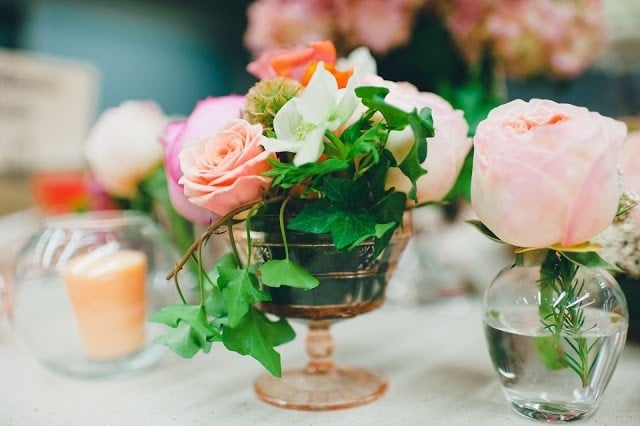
x=434, y=356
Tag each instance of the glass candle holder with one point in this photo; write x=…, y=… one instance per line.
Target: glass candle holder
x=83, y=287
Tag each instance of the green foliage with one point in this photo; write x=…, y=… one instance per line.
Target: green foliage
x=277, y=272
x=286, y=175
x=240, y=291
x=562, y=315
x=191, y=332
x=153, y=198
x=590, y=259
x=256, y=335
x=346, y=213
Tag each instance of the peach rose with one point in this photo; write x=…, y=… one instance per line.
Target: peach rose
x=123, y=146
x=446, y=150
x=223, y=171
x=546, y=173
x=208, y=116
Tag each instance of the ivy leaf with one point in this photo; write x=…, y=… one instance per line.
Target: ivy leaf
x=214, y=303
x=486, y=231
x=590, y=259
x=240, y=291
x=256, y=336
x=380, y=229
x=277, y=272
x=184, y=341
x=346, y=194
x=376, y=176
x=316, y=217
x=389, y=209
x=191, y=330
x=411, y=165
x=373, y=97
x=226, y=261
x=349, y=228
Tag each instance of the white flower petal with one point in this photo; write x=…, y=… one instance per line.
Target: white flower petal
x=286, y=120
x=320, y=97
x=311, y=148
x=361, y=60
x=280, y=145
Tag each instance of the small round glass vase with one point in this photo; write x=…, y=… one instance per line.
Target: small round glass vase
x=83, y=287
x=351, y=284
x=548, y=376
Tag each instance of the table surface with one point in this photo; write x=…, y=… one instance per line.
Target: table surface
x=433, y=355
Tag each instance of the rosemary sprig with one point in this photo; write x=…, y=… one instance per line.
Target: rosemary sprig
x=562, y=314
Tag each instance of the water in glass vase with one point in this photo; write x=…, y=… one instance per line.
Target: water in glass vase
x=534, y=366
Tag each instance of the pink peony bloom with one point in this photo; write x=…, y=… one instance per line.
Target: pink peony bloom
x=208, y=116
x=123, y=146
x=223, y=171
x=282, y=24
x=446, y=150
x=546, y=173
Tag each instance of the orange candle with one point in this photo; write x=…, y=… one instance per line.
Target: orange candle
x=108, y=295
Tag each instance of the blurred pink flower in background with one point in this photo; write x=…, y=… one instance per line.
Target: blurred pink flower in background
x=277, y=24
x=528, y=37
x=381, y=25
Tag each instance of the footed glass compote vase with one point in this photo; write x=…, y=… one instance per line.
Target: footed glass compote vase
x=351, y=284
x=554, y=347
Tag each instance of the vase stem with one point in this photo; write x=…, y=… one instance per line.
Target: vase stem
x=320, y=346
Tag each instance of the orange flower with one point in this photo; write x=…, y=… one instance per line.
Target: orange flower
x=300, y=63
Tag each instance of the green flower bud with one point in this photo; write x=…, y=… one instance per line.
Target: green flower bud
x=265, y=99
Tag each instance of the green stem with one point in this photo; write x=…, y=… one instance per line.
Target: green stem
x=177, y=284
x=200, y=273
x=252, y=211
x=563, y=316
x=232, y=241
x=338, y=144
x=283, y=234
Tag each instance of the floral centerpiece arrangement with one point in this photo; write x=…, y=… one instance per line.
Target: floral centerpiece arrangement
x=546, y=180
x=326, y=147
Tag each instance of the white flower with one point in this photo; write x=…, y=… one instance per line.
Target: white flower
x=301, y=123
x=361, y=60
x=621, y=240
x=123, y=146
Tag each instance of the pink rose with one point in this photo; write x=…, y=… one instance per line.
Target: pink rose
x=446, y=150
x=208, y=116
x=223, y=171
x=546, y=173
x=629, y=156
x=123, y=146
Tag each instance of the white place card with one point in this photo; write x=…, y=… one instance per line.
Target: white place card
x=46, y=107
